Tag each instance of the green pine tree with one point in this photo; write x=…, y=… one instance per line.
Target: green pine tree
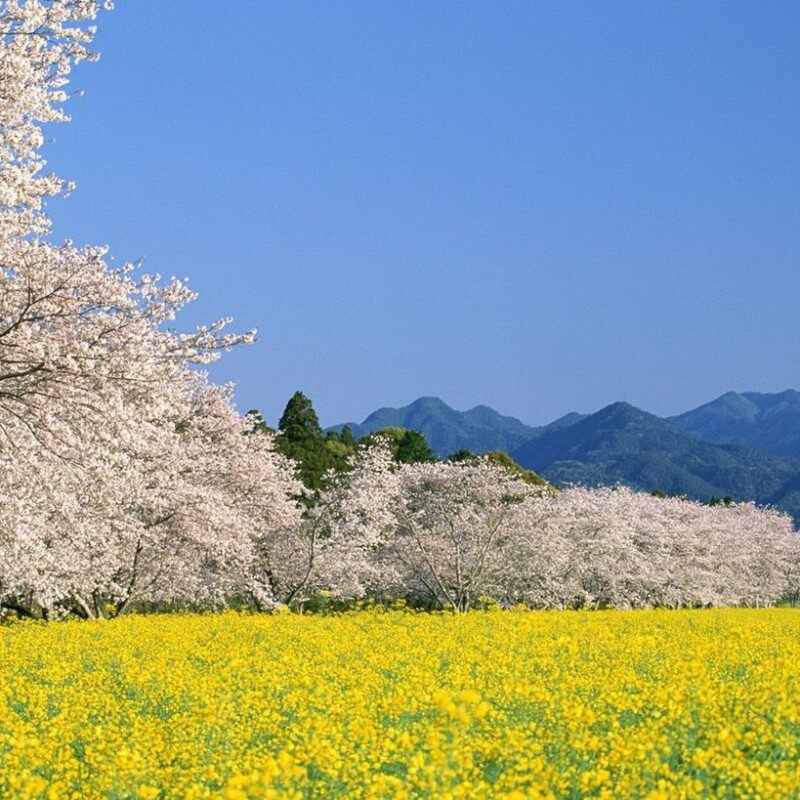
x=300, y=438
x=299, y=420
x=347, y=439
x=413, y=448
x=406, y=446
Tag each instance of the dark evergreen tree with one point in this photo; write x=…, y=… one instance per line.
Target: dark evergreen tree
x=413, y=448
x=300, y=438
x=299, y=420
x=346, y=437
x=406, y=446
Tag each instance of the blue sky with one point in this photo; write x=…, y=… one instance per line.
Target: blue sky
x=537, y=206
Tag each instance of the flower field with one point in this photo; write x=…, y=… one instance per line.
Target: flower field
x=375, y=704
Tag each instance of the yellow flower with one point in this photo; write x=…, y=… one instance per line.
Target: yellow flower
x=393, y=705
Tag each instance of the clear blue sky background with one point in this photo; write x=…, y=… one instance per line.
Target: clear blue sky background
x=540, y=207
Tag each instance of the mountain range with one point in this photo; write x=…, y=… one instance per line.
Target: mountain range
x=769, y=422
x=745, y=445
x=481, y=429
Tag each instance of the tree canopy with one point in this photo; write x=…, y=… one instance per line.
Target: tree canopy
x=300, y=438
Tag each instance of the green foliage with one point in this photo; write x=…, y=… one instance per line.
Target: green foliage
x=720, y=501
x=299, y=420
x=407, y=446
x=527, y=475
x=339, y=451
x=462, y=455
x=300, y=438
x=346, y=437
x=391, y=435
x=503, y=460
x=413, y=448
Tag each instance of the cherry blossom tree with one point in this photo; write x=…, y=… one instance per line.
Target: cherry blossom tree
x=124, y=475
x=443, y=533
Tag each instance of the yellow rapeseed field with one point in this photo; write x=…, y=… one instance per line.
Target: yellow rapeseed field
x=392, y=704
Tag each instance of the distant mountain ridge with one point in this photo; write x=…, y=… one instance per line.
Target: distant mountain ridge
x=481, y=429
x=623, y=444
x=769, y=422
x=744, y=445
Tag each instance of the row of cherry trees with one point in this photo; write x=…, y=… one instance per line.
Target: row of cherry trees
x=126, y=477
x=459, y=534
